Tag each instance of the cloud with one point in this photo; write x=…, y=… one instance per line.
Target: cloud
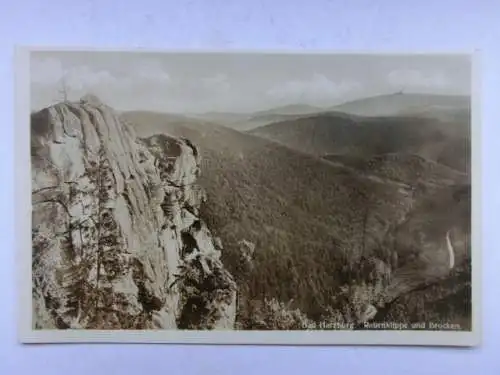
x=148, y=71
x=406, y=78
x=50, y=72
x=46, y=71
x=206, y=93
x=218, y=83
x=81, y=78
x=319, y=90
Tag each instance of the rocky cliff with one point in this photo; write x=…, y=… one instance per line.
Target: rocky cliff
x=117, y=238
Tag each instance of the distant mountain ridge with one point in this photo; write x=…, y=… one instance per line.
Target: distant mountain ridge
x=402, y=103
x=249, y=120
x=398, y=104
x=443, y=141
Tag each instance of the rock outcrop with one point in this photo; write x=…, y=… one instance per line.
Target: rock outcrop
x=247, y=250
x=117, y=238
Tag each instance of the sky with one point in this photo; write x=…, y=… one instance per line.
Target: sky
x=245, y=82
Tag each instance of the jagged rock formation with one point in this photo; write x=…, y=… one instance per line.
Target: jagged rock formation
x=247, y=250
x=117, y=240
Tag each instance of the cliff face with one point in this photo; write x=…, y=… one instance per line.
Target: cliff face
x=117, y=239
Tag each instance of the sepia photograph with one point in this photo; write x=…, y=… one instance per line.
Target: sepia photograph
x=247, y=197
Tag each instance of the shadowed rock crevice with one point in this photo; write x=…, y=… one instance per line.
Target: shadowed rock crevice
x=112, y=218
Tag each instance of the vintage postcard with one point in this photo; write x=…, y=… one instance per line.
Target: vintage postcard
x=247, y=197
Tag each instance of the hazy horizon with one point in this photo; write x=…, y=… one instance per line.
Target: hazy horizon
x=199, y=83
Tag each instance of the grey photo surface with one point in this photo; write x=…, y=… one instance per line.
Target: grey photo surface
x=250, y=191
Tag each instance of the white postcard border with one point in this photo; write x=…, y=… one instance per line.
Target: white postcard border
x=22, y=171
